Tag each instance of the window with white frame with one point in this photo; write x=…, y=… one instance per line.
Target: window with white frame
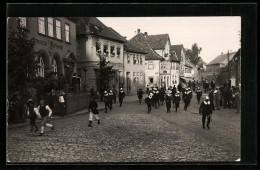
x=40, y=69
x=54, y=66
x=118, y=51
x=137, y=77
x=41, y=25
x=128, y=59
x=134, y=60
x=173, y=66
x=67, y=32
x=150, y=66
x=98, y=47
x=141, y=60
x=177, y=66
x=50, y=26
x=105, y=50
x=112, y=51
x=137, y=59
x=134, y=77
x=58, y=29
x=22, y=21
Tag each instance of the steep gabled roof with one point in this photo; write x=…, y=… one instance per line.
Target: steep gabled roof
x=140, y=41
x=177, y=49
x=92, y=26
x=129, y=47
x=157, y=42
x=222, y=59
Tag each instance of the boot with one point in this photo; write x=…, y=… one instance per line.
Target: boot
x=98, y=122
x=90, y=123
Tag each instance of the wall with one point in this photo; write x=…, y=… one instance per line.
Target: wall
x=131, y=68
x=152, y=72
x=77, y=102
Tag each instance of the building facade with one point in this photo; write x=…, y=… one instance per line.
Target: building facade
x=55, y=41
x=134, y=69
x=94, y=40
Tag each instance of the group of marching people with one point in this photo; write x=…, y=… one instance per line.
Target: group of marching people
x=156, y=97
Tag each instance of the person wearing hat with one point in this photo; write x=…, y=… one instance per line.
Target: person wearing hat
x=187, y=97
x=62, y=104
x=121, y=96
x=32, y=113
x=162, y=95
x=140, y=95
x=206, y=111
x=106, y=100
x=45, y=112
x=93, y=112
x=110, y=99
x=217, y=97
x=168, y=100
x=199, y=94
x=149, y=101
x=177, y=99
x=156, y=99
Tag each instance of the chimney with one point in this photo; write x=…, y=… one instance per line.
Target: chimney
x=138, y=31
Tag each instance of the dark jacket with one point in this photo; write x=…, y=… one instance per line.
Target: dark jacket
x=199, y=93
x=205, y=107
x=140, y=94
x=168, y=99
x=177, y=98
x=121, y=94
x=93, y=107
x=211, y=96
x=148, y=101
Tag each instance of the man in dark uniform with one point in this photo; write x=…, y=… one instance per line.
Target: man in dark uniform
x=105, y=100
x=149, y=101
x=168, y=100
x=199, y=94
x=189, y=96
x=212, y=84
x=211, y=98
x=147, y=89
x=121, y=96
x=161, y=95
x=140, y=95
x=206, y=111
x=177, y=99
x=179, y=87
x=110, y=99
x=185, y=99
x=157, y=98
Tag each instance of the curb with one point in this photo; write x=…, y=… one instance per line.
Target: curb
x=81, y=112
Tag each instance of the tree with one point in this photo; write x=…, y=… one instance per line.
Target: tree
x=193, y=53
x=106, y=71
x=21, y=60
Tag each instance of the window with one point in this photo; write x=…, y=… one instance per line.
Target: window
x=137, y=77
x=150, y=66
x=105, y=50
x=161, y=66
x=98, y=49
x=118, y=51
x=151, y=80
x=41, y=25
x=141, y=76
x=54, y=66
x=112, y=51
x=128, y=59
x=173, y=66
x=22, y=21
x=58, y=29
x=40, y=69
x=177, y=66
x=134, y=77
x=50, y=27
x=134, y=60
x=137, y=59
x=141, y=60
x=67, y=33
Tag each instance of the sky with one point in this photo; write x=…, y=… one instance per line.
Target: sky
x=213, y=34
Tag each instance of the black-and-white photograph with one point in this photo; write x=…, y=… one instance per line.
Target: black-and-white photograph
x=123, y=89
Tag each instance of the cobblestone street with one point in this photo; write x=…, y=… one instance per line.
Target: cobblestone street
x=129, y=134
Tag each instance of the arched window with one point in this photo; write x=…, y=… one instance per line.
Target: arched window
x=54, y=66
x=40, y=69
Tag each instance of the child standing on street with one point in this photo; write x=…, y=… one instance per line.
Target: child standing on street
x=31, y=112
x=93, y=112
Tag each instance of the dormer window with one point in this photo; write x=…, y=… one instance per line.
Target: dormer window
x=105, y=50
